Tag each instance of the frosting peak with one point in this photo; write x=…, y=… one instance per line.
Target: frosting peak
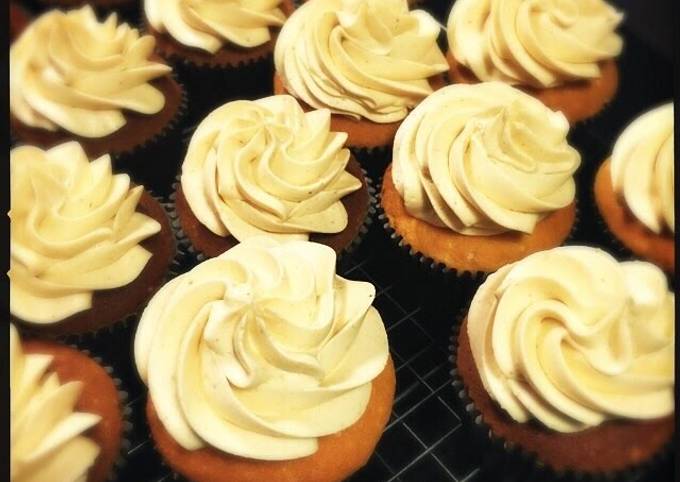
x=361, y=58
x=483, y=159
x=260, y=351
x=68, y=71
x=73, y=230
x=267, y=167
x=541, y=43
x=643, y=168
x=573, y=338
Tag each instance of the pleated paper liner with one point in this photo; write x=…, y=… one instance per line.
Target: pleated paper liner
x=504, y=460
x=195, y=255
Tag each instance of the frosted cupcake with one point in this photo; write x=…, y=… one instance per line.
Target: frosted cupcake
x=568, y=356
x=482, y=175
x=266, y=167
x=368, y=62
x=563, y=52
x=87, y=248
x=634, y=190
x=263, y=364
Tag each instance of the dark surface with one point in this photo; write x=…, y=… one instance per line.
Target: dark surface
x=425, y=440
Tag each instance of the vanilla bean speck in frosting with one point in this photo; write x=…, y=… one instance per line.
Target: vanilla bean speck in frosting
x=69, y=71
x=260, y=351
x=73, y=230
x=210, y=24
x=643, y=168
x=362, y=58
x=47, y=434
x=267, y=167
x=483, y=159
x=573, y=338
x=539, y=43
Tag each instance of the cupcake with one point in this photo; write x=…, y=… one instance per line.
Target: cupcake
x=563, y=53
x=87, y=247
x=219, y=48
x=65, y=415
x=567, y=356
x=75, y=78
x=263, y=364
x=368, y=61
x=634, y=190
x=482, y=175
x=266, y=167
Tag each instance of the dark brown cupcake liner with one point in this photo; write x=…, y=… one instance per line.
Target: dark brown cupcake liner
x=373, y=160
x=506, y=459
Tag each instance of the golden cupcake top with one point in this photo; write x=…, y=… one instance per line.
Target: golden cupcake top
x=70, y=71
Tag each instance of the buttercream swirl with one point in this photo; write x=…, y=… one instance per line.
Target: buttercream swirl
x=572, y=338
x=47, y=434
x=260, y=351
x=68, y=71
x=361, y=58
x=540, y=43
x=643, y=168
x=267, y=167
x=73, y=230
x=483, y=159
x=209, y=24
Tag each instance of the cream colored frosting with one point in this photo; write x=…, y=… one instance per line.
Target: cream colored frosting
x=73, y=230
x=573, y=338
x=68, y=71
x=209, y=24
x=261, y=351
x=483, y=159
x=361, y=58
x=643, y=168
x=267, y=167
x=47, y=434
x=540, y=43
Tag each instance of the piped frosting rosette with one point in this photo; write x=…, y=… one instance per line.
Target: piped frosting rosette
x=69, y=71
x=362, y=58
x=484, y=159
x=261, y=351
x=210, y=24
x=267, y=167
x=540, y=43
x=47, y=434
x=643, y=168
x=573, y=338
x=73, y=230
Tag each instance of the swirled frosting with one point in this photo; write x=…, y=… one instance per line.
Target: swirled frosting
x=482, y=159
x=260, y=351
x=47, y=434
x=73, y=230
x=267, y=167
x=209, y=24
x=68, y=71
x=643, y=168
x=540, y=43
x=361, y=58
x=572, y=338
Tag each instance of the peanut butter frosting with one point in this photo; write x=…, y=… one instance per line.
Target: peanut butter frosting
x=573, y=338
x=210, y=24
x=73, y=230
x=267, y=167
x=484, y=159
x=260, y=351
x=362, y=58
x=538, y=43
x=643, y=168
x=69, y=71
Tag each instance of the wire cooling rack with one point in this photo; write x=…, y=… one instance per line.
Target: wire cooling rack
x=425, y=439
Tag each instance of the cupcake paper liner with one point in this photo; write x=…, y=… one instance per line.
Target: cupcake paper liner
x=511, y=461
x=373, y=160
